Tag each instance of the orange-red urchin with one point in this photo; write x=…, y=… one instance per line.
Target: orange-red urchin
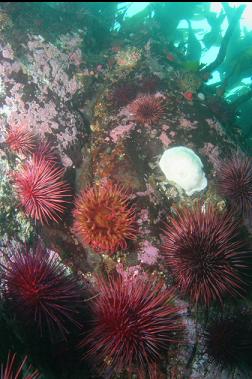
x=147, y=109
x=20, y=140
x=103, y=218
x=41, y=188
x=135, y=321
x=9, y=372
x=205, y=253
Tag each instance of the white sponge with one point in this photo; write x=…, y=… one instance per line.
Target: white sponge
x=183, y=168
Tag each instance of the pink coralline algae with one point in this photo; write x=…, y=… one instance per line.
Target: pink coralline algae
x=71, y=43
x=40, y=117
x=212, y=152
x=164, y=139
x=121, y=131
x=7, y=52
x=75, y=57
x=68, y=137
x=187, y=124
x=7, y=69
x=214, y=124
x=172, y=133
x=66, y=161
x=130, y=273
x=144, y=223
x=148, y=254
x=144, y=216
x=150, y=192
x=47, y=65
x=51, y=82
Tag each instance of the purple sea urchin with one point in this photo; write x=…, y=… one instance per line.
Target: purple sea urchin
x=135, y=321
x=40, y=290
x=203, y=250
x=123, y=94
x=234, y=181
x=228, y=342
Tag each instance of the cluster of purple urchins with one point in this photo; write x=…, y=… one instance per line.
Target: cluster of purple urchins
x=133, y=321
x=40, y=291
x=208, y=255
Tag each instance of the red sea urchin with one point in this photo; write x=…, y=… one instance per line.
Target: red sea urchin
x=41, y=291
x=203, y=250
x=135, y=321
x=123, y=94
x=9, y=372
x=103, y=218
x=20, y=140
x=234, y=181
x=41, y=188
x=150, y=84
x=147, y=109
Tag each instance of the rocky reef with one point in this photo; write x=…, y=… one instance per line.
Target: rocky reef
x=155, y=258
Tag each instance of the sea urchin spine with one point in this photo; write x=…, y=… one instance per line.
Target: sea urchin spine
x=234, y=180
x=9, y=372
x=205, y=254
x=135, y=322
x=20, y=140
x=40, y=290
x=147, y=109
x=228, y=342
x=41, y=188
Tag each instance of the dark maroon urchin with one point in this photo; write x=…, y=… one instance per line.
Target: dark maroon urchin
x=205, y=253
x=150, y=84
x=123, y=94
x=134, y=322
x=147, y=109
x=234, y=181
x=41, y=291
x=228, y=342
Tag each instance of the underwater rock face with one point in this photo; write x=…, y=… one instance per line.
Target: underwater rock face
x=111, y=101
x=184, y=168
